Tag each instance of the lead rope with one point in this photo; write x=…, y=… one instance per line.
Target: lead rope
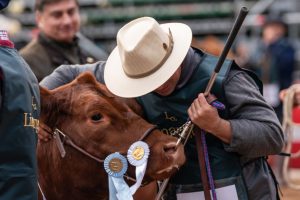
x=219, y=106
x=42, y=193
x=287, y=126
x=202, y=164
x=207, y=164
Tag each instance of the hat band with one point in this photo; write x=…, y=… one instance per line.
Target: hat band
x=168, y=52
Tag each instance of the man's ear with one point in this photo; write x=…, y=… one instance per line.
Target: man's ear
x=39, y=19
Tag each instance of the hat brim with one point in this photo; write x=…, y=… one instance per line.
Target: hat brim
x=122, y=85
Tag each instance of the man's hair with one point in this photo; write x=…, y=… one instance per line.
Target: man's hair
x=40, y=4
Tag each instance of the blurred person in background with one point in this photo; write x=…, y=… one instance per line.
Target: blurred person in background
x=58, y=41
x=19, y=113
x=211, y=44
x=274, y=61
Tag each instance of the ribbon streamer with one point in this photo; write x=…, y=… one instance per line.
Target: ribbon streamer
x=116, y=165
x=137, y=156
x=118, y=189
x=139, y=173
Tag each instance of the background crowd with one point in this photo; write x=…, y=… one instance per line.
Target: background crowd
x=271, y=29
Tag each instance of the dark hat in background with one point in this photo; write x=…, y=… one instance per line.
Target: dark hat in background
x=274, y=20
x=3, y=3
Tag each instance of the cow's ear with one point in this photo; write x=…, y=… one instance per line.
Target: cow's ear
x=86, y=77
x=89, y=78
x=104, y=90
x=47, y=99
x=45, y=95
x=44, y=91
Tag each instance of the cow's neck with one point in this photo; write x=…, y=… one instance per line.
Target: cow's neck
x=72, y=177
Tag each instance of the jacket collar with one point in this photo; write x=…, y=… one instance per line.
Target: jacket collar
x=4, y=39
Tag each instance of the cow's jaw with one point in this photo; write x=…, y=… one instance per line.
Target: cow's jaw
x=167, y=170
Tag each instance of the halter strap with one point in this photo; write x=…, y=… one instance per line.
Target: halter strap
x=67, y=140
x=148, y=132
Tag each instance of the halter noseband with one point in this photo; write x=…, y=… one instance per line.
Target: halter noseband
x=67, y=140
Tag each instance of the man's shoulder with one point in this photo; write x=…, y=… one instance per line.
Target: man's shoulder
x=33, y=47
x=34, y=52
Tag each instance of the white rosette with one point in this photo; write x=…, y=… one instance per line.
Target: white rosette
x=137, y=156
x=116, y=166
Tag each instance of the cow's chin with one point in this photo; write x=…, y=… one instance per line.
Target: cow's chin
x=172, y=163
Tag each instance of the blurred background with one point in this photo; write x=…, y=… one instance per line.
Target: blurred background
x=210, y=21
x=101, y=19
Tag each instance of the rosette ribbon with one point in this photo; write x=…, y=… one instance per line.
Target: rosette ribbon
x=137, y=156
x=116, y=166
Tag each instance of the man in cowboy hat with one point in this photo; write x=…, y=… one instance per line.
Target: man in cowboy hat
x=155, y=64
x=19, y=113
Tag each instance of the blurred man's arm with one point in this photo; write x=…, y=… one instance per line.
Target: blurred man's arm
x=66, y=73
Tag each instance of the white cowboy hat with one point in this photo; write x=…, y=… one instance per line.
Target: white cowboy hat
x=146, y=56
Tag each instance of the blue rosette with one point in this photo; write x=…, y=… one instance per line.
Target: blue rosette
x=116, y=166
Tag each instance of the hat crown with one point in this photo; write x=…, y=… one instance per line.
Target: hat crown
x=3, y=4
x=143, y=47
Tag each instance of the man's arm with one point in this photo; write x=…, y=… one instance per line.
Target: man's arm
x=252, y=130
x=66, y=73
x=255, y=128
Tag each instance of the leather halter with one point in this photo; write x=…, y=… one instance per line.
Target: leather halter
x=67, y=140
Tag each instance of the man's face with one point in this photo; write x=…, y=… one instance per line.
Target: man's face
x=272, y=33
x=59, y=21
x=169, y=86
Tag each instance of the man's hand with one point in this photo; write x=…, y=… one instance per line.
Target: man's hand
x=296, y=89
x=44, y=133
x=206, y=117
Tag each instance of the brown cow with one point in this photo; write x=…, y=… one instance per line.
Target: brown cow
x=100, y=124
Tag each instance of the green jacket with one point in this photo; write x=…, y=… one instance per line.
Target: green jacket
x=19, y=114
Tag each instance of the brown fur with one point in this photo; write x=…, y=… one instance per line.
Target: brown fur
x=72, y=108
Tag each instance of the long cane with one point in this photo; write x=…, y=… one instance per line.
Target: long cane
x=232, y=35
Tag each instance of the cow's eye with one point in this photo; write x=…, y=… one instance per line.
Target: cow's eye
x=96, y=117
